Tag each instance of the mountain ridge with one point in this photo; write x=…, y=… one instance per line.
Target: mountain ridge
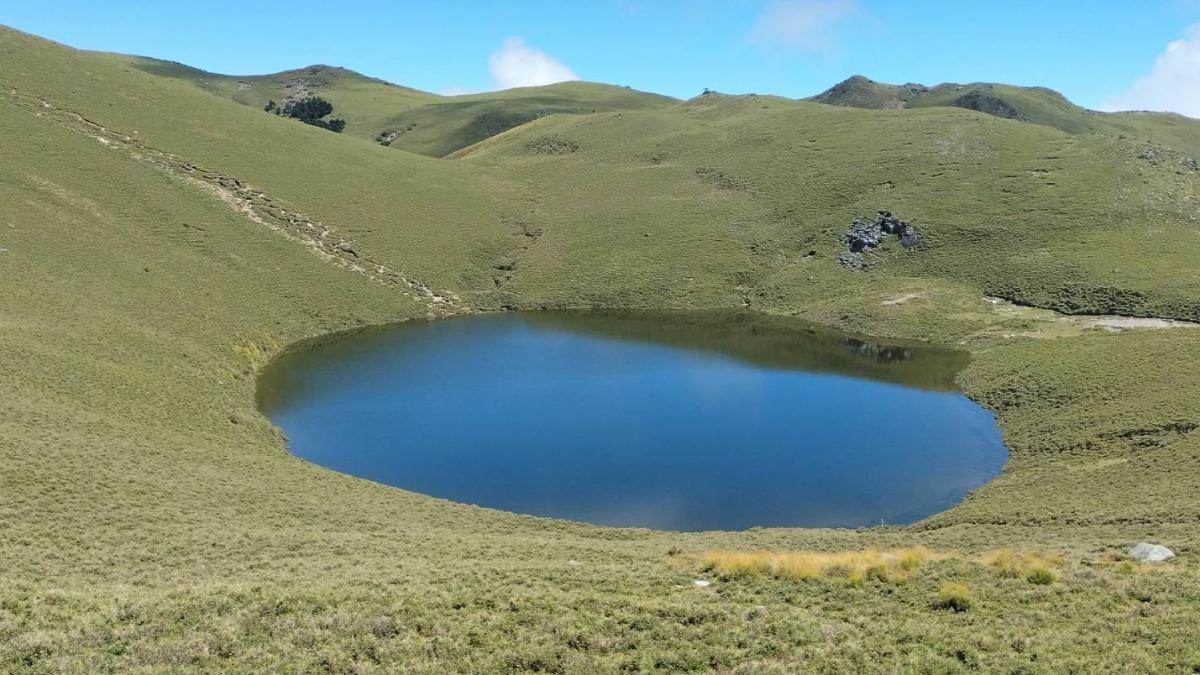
x=392, y=117
x=1033, y=104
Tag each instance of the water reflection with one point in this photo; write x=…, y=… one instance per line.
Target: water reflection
x=773, y=341
x=678, y=421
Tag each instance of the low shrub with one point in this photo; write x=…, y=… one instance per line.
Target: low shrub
x=312, y=110
x=1040, y=575
x=954, y=596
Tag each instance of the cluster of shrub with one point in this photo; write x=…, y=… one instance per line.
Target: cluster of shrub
x=389, y=136
x=311, y=110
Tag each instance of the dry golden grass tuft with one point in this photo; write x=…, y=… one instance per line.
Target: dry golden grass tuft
x=954, y=596
x=888, y=565
x=1036, y=567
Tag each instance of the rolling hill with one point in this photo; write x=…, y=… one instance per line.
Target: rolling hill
x=1037, y=105
x=161, y=238
x=405, y=118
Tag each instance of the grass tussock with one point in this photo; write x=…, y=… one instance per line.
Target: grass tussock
x=857, y=567
x=257, y=352
x=953, y=596
x=1036, y=567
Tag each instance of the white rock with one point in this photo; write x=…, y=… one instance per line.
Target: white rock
x=574, y=563
x=1151, y=552
x=700, y=583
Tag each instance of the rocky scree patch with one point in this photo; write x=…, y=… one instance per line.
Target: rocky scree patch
x=864, y=235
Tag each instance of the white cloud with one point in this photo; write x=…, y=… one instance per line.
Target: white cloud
x=1173, y=83
x=801, y=23
x=516, y=64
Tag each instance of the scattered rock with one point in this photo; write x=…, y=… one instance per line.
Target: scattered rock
x=991, y=105
x=552, y=145
x=901, y=228
x=1151, y=552
x=1158, y=155
x=864, y=235
x=701, y=583
x=388, y=136
x=303, y=85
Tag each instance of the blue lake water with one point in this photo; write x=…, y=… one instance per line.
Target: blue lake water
x=676, y=421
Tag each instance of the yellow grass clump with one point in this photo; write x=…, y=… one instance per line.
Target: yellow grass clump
x=257, y=352
x=891, y=565
x=954, y=596
x=1036, y=567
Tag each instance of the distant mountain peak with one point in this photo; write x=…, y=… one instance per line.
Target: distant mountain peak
x=1028, y=104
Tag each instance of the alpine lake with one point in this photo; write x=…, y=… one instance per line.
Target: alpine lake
x=676, y=420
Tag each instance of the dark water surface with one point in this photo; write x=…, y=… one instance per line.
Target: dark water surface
x=677, y=421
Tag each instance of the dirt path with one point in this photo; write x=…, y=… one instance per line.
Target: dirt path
x=1118, y=323
x=1045, y=323
x=257, y=206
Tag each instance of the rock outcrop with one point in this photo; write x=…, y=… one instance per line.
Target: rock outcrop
x=864, y=235
x=987, y=104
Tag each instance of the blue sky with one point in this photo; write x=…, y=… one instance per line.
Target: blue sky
x=1095, y=52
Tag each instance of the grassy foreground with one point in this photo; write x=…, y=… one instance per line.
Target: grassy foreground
x=160, y=243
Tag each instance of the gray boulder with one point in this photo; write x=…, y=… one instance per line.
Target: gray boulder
x=1150, y=552
x=863, y=235
x=908, y=235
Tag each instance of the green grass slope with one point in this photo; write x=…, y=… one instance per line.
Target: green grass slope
x=1083, y=224
x=455, y=122
x=357, y=94
x=1037, y=105
x=408, y=119
x=158, y=243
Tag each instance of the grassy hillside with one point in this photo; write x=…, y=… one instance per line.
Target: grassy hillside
x=1082, y=224
x=158, y=243
x=1037, y=105
x=455, y=122
x=408, y=119
x=358, y=94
